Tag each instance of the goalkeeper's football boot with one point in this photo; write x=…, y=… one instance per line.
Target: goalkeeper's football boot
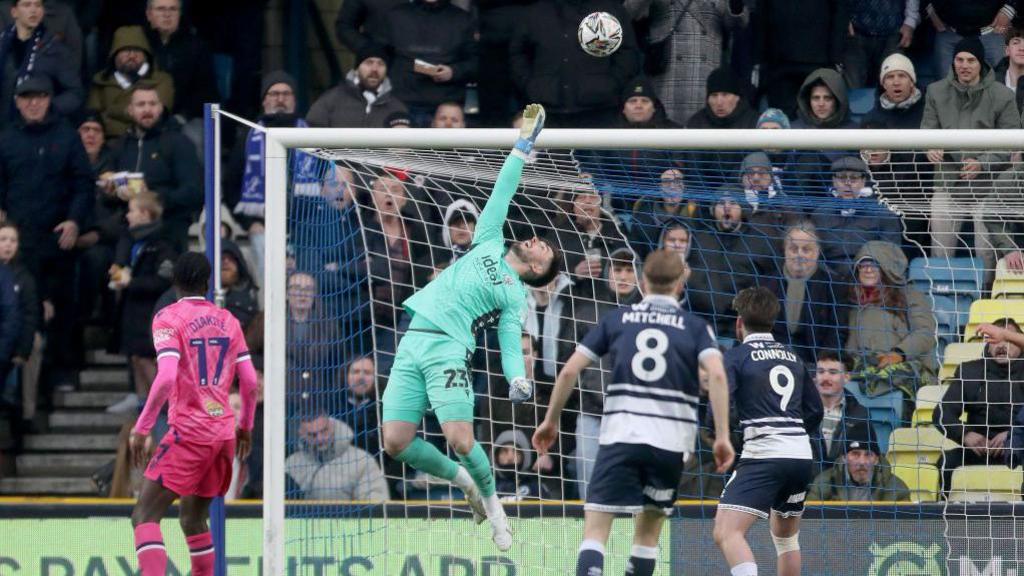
x=476, y=503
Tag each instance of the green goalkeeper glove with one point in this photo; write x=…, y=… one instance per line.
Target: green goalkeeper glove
x=533, y=123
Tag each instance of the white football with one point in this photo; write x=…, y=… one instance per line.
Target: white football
x=600, y=34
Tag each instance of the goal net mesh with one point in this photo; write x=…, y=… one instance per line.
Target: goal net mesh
x=884, y=262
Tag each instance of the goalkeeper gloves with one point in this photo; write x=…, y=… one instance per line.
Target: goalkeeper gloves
x=533, y=123
x=520, y=390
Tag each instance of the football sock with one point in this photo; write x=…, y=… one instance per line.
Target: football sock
x=424, y=456
x=590, y=561
x=200, y=550
x=149, y=547
x=642, y=561
x=744, y=569
x=479, y=468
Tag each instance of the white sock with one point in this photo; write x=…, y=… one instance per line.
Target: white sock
x=744, y=569
x=649, y=552
x=592, y=545
x=493, y=506
x=463, y=480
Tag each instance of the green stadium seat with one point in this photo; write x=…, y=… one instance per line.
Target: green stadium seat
x=921, y=479
x=986, y=484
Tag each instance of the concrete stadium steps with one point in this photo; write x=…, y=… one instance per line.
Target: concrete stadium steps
x=70, y=443
x=87, y=421
x=91, y=400
x=104, y=379
x=62, y=486
x=69, y=465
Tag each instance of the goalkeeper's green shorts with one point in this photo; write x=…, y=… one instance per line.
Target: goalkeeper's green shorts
x=430, y=369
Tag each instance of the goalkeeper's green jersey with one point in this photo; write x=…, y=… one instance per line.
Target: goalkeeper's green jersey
x=480, y=289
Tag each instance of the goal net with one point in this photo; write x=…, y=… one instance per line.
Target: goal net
x=886, y=251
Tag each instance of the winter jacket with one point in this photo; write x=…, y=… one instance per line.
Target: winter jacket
x=548, y=327
x=345, y=106
x=63, y=22
x=521, y=482
x=550, y=68
x=695, y=49
x=967, y=17
x=834, y=484
x=986, y=105
x=444, y=254
x=809, y=32
x=825, y=456
x=438, y=33
x=906, y=115
x=362, y=22
x=575, y=244
x=10, y=319
x=340, y=472
x=168, y=161
x=29, y=308
x=883, y=17
x=874, y=329
x=312, y=351
x=108, y=210
x=835, y=83
x=650, y=220
x=989, y=393
x=151, y=259
x=107, y=95
x=189, y=61
x=45, y=179
x=1000, y=71
x=52, y=60
x=718, y=168
x=241, y=299
x=822, y=319
x=844, y=225
x=1005, y=234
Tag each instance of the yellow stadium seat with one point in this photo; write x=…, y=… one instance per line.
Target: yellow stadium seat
x=922, y=480
x=957, y=353
x=928, y=397
x=990, y=310
x=1007, y=284
x=986, y=484
x=915, y=446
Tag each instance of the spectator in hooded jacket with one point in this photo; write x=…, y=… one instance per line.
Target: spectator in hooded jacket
x=1011, y=68
x=955, y=20
x=877, y=29
x=130, y=64
x=842, y=412
x=794, y=38
x=28, y=48
x=46, y=188
x=363, y=100
x=182, y=53
x=548, y=66
x=853, y=215
x=441, y=37
x=812, y=321
x=515, y=477
x=167, y=159
x=969, y=97
x=695, y=39
x=240, y=289
x=978, y=409
x=823, y=104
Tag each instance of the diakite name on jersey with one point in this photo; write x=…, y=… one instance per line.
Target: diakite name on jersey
x=653, y=318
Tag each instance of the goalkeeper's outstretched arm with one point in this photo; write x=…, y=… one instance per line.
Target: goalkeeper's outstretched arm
x=492, y=219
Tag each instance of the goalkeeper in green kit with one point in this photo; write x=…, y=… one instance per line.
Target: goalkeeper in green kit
x=482, y=289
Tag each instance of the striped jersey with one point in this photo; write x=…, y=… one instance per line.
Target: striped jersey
x=208, y=342
x=775, y=398
x=656, y=348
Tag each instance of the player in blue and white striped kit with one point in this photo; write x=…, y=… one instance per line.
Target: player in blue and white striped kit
x=778, y=406
x=650, y=412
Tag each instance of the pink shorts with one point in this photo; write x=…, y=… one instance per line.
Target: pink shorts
x=192, y=469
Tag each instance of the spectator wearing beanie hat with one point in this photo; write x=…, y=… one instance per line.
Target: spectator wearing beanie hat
x=363, y=100
x=969, y=97
x=726, y=107
x=641, y=107
x=862, y=474
x=1011, y=68
x=983, y=20
x=900, y=102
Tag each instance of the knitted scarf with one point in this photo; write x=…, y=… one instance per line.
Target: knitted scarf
x=254, y=195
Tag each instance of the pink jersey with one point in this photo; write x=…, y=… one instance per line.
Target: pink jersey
x=208, y=343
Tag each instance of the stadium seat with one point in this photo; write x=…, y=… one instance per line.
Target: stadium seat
x=958, y=353
x=914, y=446
x=884, y=411
x=948, y=276
x=922, y=480
x=986, y=484
x=990, y=310
x=951, y=313
x=862, y=100
x=1007, y=284
x=928, y=397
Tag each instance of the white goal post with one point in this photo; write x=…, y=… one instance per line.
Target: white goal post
x=279, y=141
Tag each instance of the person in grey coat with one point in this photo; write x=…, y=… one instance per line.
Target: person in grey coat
x=329, y=467
x=695, y=31
x=363, y=99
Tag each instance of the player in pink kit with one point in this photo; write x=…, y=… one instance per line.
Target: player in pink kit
x=199, y=350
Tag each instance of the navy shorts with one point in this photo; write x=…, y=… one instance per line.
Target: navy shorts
x=634, y=477
x=760, y=486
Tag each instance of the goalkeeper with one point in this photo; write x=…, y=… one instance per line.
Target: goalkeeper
x=481, y=289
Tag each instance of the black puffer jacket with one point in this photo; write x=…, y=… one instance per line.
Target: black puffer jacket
x=988, y=392
x=54, y=61
x=550, y=68
x=438, y=33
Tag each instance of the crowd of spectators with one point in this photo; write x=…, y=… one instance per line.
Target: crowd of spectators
x=92, y=222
